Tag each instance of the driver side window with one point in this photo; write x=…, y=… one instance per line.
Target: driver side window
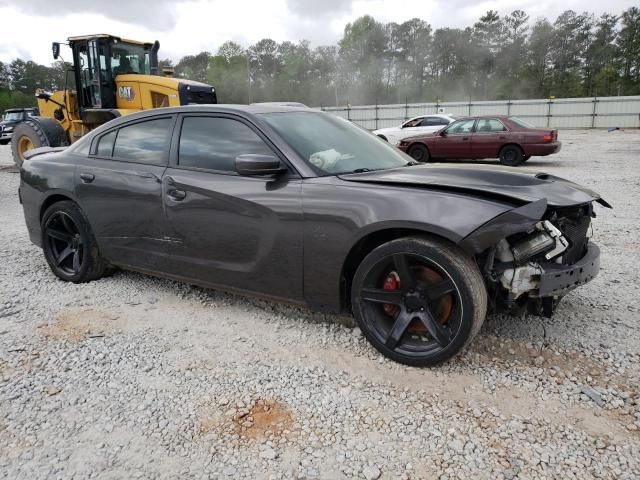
x=213, y=143
x=461, y=127
x=412, y=123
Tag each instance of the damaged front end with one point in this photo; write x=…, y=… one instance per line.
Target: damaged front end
x=534, y=255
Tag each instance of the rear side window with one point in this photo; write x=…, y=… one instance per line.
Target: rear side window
x=214, y=143
x=105, y=144
x=433, y=121
x=490, y=125
x=143, y=142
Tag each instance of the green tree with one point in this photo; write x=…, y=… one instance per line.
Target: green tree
x=228, y=73
x=629, y=51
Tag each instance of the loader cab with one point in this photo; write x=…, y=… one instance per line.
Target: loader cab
x=97, y=61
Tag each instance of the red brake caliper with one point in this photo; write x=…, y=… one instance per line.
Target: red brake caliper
x=392, y=282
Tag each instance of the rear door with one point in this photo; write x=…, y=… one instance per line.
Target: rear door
x=489, y=136
x=456, y=141
x=226, y=229
x=119, y=188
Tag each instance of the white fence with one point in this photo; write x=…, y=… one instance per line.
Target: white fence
x=592, y=112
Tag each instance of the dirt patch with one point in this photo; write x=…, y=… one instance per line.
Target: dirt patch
x=78, y=325
x=500, y=350
x=263, y=419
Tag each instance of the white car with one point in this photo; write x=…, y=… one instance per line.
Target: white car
x=415, y=126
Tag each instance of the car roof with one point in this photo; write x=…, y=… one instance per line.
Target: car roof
x=483, y=117
x=281, y=104
x=242, y=110
x=221, y=107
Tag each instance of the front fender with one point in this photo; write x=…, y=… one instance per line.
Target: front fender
x=510, y=222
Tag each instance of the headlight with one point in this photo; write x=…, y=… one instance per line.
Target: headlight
x=8, y=129
x=534, y=244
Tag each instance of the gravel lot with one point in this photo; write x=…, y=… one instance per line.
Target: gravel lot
x=137, y=377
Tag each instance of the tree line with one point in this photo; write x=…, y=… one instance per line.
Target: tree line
x=499, y=57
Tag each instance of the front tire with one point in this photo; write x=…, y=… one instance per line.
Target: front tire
x=35, y=133
x=511, y=156
x=69, y=245
x=418, y=301
x=419, y=153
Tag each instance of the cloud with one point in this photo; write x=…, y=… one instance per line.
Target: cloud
x=313, y=8
x=187, y=27
x=160, y=14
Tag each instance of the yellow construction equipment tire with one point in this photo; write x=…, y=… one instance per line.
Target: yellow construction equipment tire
x=35, y=133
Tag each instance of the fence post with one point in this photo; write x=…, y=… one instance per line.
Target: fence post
x=469, y=107
x=376, y=115
x=508, y=108
x=406, y=108
x=549, y=112
x=594, y=112
x=348, y=111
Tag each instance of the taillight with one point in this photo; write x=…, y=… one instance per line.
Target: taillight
x=547, y=138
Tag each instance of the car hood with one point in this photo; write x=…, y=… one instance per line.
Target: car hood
x=486, y=182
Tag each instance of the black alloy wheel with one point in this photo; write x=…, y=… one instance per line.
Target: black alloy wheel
x=419, y=153
x=511, y=155
x=65, y=243
x=418, y=301
x=69, y=245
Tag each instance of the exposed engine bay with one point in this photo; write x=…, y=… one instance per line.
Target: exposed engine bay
x=536, y=268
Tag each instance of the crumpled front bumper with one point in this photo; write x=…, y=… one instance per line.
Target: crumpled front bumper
x=557, y=279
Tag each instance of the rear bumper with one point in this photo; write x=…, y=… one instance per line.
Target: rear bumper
x=556, y=280
x=541, y=149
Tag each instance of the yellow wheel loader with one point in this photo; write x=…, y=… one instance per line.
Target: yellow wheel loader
x=113, y=77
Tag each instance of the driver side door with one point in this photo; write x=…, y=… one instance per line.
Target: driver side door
x=243, y=232
x=456, y=141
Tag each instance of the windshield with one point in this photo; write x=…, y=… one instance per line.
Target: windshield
x=520, y=122
x=333, y=145
x=12, y=116
x=130, y=58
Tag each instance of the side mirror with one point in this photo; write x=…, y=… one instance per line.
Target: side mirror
x=443, y=132
x=256, y=164
x=55, y=48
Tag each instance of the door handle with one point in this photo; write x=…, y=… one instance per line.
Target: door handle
x=87, y=177
x=177, y=195
x=149, y=175
x=465, y=138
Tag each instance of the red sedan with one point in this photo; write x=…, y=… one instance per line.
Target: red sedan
x=510, y=139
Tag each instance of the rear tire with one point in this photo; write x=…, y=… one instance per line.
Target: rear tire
x=69, y=245
x=511, y=155
x=419, y=153
x=35, y=133
x=433, y=307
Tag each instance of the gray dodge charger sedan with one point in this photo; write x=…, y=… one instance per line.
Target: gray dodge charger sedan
x=304, y=207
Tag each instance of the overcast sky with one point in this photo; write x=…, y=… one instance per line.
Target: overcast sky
x=27, y=27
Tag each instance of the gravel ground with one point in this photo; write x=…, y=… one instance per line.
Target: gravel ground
x=137, y=377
